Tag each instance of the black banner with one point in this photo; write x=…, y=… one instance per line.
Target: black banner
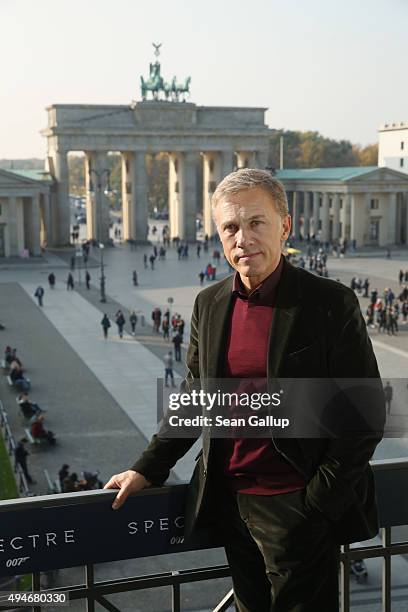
x=69, y=530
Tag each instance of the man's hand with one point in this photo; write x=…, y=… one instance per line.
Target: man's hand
x=128, y=482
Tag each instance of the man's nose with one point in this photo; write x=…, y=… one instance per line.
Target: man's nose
x=242, y=237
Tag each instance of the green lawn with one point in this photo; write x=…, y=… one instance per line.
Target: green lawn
x=8, y=487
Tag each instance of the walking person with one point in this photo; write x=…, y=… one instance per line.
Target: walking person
x=105, y=325
x=145, y=261
x=388, y=393
x=165, y=328
x=201, y=276
x=70, y=282
x=51, y=280
x=177, y=341
x=133, y=321
x=168, y=369
x=20, y=455
x=134, y=278
x=88, y=280
x=120, y=322
x=39, y=294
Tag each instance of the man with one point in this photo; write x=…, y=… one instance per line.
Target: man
x=282, y=505
x=39, y=294
x=168, y=369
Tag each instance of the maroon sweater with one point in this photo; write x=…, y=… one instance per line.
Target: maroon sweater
x=253, y=465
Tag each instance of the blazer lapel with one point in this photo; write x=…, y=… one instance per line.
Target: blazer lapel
x=286, y=309
x=217, y=329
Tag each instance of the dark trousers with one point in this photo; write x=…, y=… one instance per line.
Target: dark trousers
x=281, y=554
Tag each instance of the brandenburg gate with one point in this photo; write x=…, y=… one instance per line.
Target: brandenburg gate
x=207, y=139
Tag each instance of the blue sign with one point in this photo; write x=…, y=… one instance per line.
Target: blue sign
x=57, y=531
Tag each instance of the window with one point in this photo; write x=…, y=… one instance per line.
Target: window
x=402, y=145
x=374, y=204
x=401, y=162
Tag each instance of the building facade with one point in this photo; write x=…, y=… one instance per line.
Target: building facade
x=364, y=205
x=25, y=212
x=393, y=146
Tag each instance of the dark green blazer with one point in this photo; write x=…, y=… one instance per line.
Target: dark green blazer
x=317, y=332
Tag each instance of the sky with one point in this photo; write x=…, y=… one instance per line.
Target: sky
x=336, y=67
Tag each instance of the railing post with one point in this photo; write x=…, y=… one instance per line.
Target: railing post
x=36, y=587
x=386, y=570
x=89, y=578
x=176, y=605
x=345, y=580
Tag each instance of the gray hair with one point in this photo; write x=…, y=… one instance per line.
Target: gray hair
x=248, y=178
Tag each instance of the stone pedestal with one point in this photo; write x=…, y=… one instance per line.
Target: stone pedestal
x=60, y=222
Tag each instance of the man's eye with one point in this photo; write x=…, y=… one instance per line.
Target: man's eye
x=230, y=228
x=255, y=223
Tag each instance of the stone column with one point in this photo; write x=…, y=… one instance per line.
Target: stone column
x=353, y=220
x=183, y=194
x=316, y=213
x=392, y=218
x=12, y=227
x=306, y=214
x=60, y=234
x=45, y=218
x=97, y=204
x=325, y=218
x=296, y=215
x=189, y=194
x=211, y=178
x=345, y=232
x=336, y=216
x=35, y=243
x=246, y=159
x=367, y=218
x=128, y=208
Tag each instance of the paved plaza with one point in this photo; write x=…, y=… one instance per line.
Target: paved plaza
x=100, y=395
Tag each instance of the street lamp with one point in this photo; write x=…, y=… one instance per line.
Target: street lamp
x=107, y=191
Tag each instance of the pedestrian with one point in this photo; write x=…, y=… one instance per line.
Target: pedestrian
x=70, y=282
x=51, y=280
x=105, y=325
x=388, y=393
x=72, y=262
x=62, y=474
x=177, y=341
x=282, y=505
x=198, y=250
x=156, y=318
x=133, y=321
x=201, y=276
x=401, y=276
x=21, y=455
x=366, y=287
x=39, y=294
x=134, y=278
x=151, y=259
x=120, y=322
x=168, y=369
x=165, y=328
x=145, y=260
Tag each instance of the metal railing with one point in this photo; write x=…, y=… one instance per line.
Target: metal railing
x=391, y=476
x=11, y=447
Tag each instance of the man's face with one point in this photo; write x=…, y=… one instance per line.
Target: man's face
x=251, y=232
